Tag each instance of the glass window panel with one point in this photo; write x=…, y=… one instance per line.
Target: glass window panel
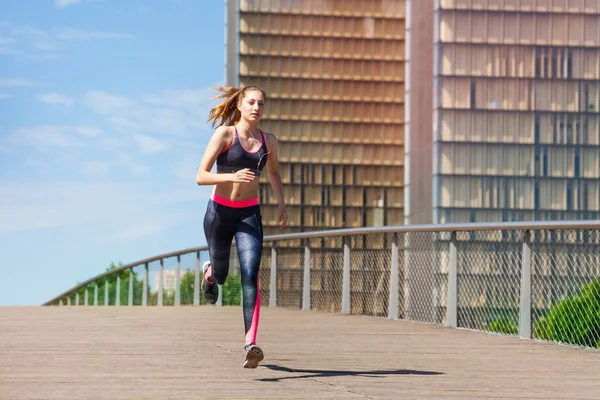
x=591, y=33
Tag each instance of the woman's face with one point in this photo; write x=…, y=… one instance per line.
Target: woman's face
x=252, y=106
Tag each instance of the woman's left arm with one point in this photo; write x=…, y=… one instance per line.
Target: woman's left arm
x=275, y=178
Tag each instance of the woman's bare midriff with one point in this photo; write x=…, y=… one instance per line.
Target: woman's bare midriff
x=237, y=191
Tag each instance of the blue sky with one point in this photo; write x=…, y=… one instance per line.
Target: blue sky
x=103, y=109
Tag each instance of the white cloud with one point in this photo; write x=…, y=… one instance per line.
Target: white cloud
x=137, y=126
x=112, y=143
x=180, y=98
x=186, y=168
x=120, y=163
x=118, y=211
x=34, y=205
x=46, y=43
x=180, y=113
x=145, y=228
x=106, y=103
x=29, y=38
x=134, y=167
x=6, y=46
x=55, y=98
x=4, y=96
x=65, y=3
x=148, y=144
x=139, y=169
x=45, y=136
x=87, y=131
x=37, y=206
x=16, y=82
x=96, y=169
x=77, y=34
x=48, y=136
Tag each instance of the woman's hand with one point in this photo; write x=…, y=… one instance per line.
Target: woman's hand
x=242, y=176
x=283, y=218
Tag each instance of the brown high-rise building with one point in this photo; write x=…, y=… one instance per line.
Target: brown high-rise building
x=334, y=74
x=503, y=110
x=502, y=98
x=503, y=124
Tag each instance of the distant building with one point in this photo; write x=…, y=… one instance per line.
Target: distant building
x=334, y=73
x=428, y=111
x=169, y=277
x=503, y=118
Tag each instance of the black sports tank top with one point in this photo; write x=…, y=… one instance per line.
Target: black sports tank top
x=236, y=157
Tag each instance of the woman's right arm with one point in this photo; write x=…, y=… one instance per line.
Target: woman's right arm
x=219, y=141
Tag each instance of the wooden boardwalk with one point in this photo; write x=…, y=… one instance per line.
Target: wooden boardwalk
x=196, y=353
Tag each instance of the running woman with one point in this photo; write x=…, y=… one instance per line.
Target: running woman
x=241, y=151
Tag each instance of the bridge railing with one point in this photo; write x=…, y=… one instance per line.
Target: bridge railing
x=536, y=280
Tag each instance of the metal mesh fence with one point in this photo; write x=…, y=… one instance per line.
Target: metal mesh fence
x=401, y=272
x=489, y=268
x=231, y=290
x=153, y=282
x=370, y=274
x=565, y=286
x=290, y=274
x=326, y=273
x=138, y=284
x=424, y=258
x=264, y=275
x=189, y=263
x=489, y=274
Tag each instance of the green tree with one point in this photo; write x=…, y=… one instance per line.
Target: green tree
x=503, y=325
x=187, y=288
x=111, y=281
x=575, y=320
x=231, y=290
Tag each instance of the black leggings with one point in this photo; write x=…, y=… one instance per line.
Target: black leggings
x=221, y=224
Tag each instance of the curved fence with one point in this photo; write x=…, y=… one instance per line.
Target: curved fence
x=536, y=280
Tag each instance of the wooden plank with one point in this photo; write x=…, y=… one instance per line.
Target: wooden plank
x=196, y=352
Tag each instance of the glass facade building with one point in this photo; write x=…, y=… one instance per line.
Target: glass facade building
x=428, y=111
x=334, y=74
x=504, y=110
x=413, y=112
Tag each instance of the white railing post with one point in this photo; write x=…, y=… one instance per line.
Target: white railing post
x=306, y=280
x=273, y=283
x=219, y=302
x=131, y=288
x=161, y=273
x=178, y=282
x=69, y=300
x=106, y=291
x=394, y=280
x=77, y=298
x=118, y=290
x=346, y=278
x=197, y=280
x=525, y=306
x=145, y=286
x=452, y=293
x=86, y=294
x=96, y=293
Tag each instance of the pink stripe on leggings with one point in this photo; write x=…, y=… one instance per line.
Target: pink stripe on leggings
x=234, y=203
x=251, y=335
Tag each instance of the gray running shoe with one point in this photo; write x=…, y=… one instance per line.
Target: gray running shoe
x=254, y=355
x=209, y=290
